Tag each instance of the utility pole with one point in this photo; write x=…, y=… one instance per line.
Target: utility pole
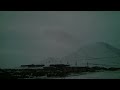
x=76, y=63
x=87, y=64
x=67, y=62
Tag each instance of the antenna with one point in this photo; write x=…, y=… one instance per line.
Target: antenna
x=87, y=64
x=76, y=63
x=67, y=62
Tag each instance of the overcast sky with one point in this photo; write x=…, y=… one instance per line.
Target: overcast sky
x=28, y=37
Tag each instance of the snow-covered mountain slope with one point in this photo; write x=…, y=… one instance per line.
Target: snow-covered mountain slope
x=95, y=54
x=99, y=53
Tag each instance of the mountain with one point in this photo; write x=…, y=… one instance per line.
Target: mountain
x=95, y=54
x=99, y=53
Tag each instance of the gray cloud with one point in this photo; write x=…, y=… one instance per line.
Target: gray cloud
x=29, y=36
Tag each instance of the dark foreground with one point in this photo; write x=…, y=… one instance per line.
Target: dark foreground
x=49, y=72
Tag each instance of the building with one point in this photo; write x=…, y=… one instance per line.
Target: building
x=32, y=66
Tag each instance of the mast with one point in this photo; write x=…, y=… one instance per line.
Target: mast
x=87, y=64
x=76, y=63
x=67, y=62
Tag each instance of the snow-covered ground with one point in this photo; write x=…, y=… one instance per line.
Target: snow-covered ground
x=87, y=75
x=91, y=75
x=97, y=75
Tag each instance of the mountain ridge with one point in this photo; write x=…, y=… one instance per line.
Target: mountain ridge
x=99, y=53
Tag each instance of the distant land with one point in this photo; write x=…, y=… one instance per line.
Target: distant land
x=99, y=53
